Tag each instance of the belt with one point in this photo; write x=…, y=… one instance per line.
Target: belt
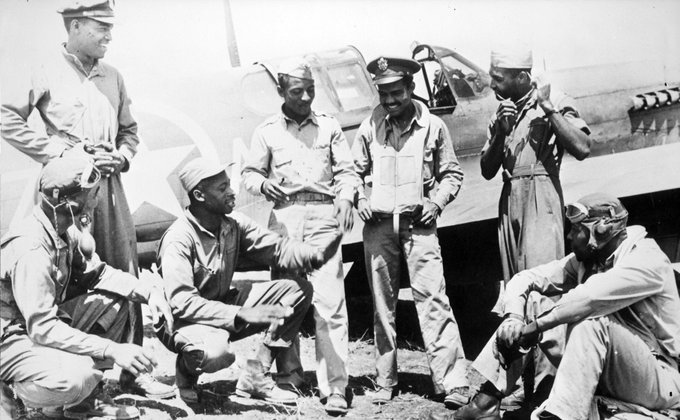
x=311, y=197
x=403, y=214
x=408, y=215
x=305, y=197
x=525, y=171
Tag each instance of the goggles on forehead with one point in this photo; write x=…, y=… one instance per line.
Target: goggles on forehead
x=576, y=212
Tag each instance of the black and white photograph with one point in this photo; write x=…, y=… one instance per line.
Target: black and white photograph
x=369, y=209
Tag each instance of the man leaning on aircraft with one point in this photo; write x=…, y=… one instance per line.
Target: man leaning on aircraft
x=605, y=315
x=83, y=103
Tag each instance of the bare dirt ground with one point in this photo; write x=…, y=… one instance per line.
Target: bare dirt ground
x=415, y=399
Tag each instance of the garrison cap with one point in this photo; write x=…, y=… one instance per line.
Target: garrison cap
x=67, y=176
x=99, y=10
x=197, y=170
x=389, y=70
x=512, y=56
x=296, y=67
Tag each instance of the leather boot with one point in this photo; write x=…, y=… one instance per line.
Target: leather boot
x=482, y=407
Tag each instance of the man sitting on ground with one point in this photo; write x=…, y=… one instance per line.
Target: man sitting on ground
x=614, y=331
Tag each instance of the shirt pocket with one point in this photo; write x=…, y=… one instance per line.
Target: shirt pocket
x=322, y=159
x=281, y=156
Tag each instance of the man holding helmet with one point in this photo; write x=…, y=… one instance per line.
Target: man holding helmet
x=614, y=330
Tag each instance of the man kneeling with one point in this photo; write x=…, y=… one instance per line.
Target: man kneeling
x=614, y=331
x=197, y=258
x=63, y=312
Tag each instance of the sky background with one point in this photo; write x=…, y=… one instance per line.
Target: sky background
x=162, y=40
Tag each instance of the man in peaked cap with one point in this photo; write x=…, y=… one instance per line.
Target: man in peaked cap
x=84, y=104
x=301, y=161
x=63, y=311
x=613, y=329
x=198, y=256
x=408, y=153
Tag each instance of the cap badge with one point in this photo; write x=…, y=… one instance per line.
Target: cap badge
x=382, y=64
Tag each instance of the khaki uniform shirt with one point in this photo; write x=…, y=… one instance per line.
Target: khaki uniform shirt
x=197, y=266
x=313, y=156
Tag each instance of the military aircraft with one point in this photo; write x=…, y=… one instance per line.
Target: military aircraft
x=632, y=109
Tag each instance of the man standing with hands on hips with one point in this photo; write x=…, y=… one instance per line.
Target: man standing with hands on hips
x=301, y=161
x=409, y=155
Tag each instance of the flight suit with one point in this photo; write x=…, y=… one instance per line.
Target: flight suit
x=79, y=107
x=613, y=331
x=530, y=209
x=404, y=167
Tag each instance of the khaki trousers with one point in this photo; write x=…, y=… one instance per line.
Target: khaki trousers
x=419, y=246
x=314, y=223
x=49, y=377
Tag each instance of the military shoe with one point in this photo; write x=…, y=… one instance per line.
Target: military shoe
x=482, y=407
x=100, y=405
x=146, y=385
x=336, y=404
x=380, y=395
x=457, y=398
x=255, y=383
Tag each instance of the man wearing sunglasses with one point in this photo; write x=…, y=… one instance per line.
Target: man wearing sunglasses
x=613, y=330
x=63, y=312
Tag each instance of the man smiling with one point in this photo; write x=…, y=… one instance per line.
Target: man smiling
x=409, y=155
x=301, y=161
x=83, y=104
x=198, y=256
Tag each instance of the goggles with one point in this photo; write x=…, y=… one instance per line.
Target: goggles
x=576, y=212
